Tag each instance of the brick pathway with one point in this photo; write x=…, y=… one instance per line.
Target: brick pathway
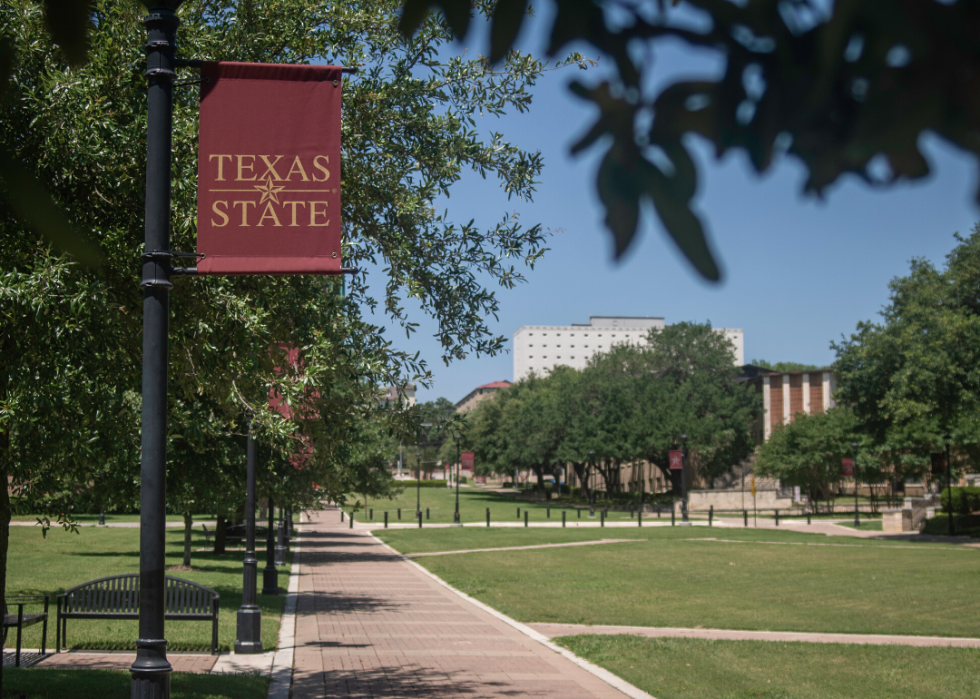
x=371, y=624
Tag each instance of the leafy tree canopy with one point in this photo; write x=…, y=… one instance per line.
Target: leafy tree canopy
x=783, y=366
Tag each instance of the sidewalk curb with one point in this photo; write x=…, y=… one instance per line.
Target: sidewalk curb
x=603, y=674
x=282, y=664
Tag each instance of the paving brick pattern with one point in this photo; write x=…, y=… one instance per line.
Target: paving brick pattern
x=96, y=660
x=369, y=624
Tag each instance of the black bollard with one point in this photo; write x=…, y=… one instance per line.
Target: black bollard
x=525, y=518
x=602, y=518
x=518, y=513
x=488, y=516
x=579, y=513
x=745, y=515
x=426, y=512
x=711, y=514
x=371, y=514
x=808, y=518
x=549, y=513
x=673, y=517
x=639, y=518
x=777, y=518
x=563, y=518
x=418, y=516
x=399, y=513
x=386, y=519
x=341, y=515
x=351, y=525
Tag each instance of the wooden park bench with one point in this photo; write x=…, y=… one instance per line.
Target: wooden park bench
x=20, y=620
x=118, y=597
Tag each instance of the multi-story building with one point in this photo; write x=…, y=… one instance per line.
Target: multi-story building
x=480, y=394
x=397, y=395
x=787, y=394
x=539, y=348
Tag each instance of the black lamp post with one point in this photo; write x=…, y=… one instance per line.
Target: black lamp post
x=683, y=477
x=249, y=636
x=854, y=458
x=281, y=539
x=459, y=464
x=151, y=669
x=422, y=436
x=270, y=576
x=949, y=482
x=592, y=486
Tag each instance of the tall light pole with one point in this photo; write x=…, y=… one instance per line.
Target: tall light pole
x=591, y=481
x=854, y=468
x=249, y=633
x=459, y=464
x=683, y=477
x=949, y=482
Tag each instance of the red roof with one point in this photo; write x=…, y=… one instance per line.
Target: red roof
x=495, y=384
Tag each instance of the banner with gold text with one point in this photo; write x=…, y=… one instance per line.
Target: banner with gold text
x=268, y=197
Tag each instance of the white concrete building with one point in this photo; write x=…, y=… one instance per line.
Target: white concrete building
x=539, y=348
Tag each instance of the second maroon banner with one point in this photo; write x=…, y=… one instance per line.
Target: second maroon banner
x=268, y=199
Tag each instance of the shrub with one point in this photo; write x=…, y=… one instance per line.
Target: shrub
x=962, y=524
x=965, y=500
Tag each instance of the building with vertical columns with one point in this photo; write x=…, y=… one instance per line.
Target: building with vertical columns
x=787, y=394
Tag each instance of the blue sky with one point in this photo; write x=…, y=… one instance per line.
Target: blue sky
x=798, y=272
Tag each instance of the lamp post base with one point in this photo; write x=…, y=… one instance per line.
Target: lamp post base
x=270, y=581
x=249, y=637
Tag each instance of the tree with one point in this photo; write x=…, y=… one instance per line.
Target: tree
x=913, y=377
x=840, y=87
x=69, y=370
x=783, y=366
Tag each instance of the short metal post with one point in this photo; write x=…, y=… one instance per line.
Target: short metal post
x=602, y=518
x=745, y=516
x=639, y=517
x=673, y=517
x=399, y=513
x=807, y=517
x=351, y=524
x=563, y=518
x=777, y=518
x=488, y=516
x=341, y=516
x=418, y=516
x=426, y=512
x=386, y=519
x=518, y=513
x=711, y=514
x=549, y=512
x=525, y=518
x=371, y=514
x=102, y=517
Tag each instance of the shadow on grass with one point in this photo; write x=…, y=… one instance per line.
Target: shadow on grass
x=398, y=680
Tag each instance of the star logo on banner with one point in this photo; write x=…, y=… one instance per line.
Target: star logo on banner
x=269, y=191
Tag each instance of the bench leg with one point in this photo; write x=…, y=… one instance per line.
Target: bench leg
x=44, y=629
x=20, y=628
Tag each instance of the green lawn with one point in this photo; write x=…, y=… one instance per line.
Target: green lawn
x=100, y=684
x=473, y=504
x=112, y=519
x=844, y=585
x=865, y=525
x=676, y=668
x=50, y=565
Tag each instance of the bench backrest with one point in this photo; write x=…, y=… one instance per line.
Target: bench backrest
x=120, y=595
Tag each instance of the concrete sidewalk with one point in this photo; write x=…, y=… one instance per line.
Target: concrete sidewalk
x=370, y=623
x=555, y=630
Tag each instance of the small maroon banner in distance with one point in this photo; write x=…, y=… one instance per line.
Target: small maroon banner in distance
x=676, y=460
x=268, y=190
x=938, y=463
x=467, y=460
x=846, y=468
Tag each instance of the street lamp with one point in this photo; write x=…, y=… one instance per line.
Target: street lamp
x=249, y=633
x=418, y=472
x=854, y=453
x=684, y=478
x=949, y=483
x=459, y=464
x=592, y=486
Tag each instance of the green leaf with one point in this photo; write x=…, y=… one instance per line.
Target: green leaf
x=457, y=13
x=28, y=198
x=682, y=225
x=619, y=195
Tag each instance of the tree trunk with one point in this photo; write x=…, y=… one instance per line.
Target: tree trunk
x=220, y=531
x=188, y=522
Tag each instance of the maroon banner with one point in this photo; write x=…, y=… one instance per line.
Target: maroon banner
x=467, y=459
x=268, y=190
x=676, y=460
x=847, y=468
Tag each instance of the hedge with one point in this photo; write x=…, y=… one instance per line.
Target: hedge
x=965, y=500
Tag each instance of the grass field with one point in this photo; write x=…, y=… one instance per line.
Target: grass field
x=696, y=669
x=101, y=684
x=473, y=504
x=865, y=525
x=112, y=519
x=757, y=580
x=50, y=565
